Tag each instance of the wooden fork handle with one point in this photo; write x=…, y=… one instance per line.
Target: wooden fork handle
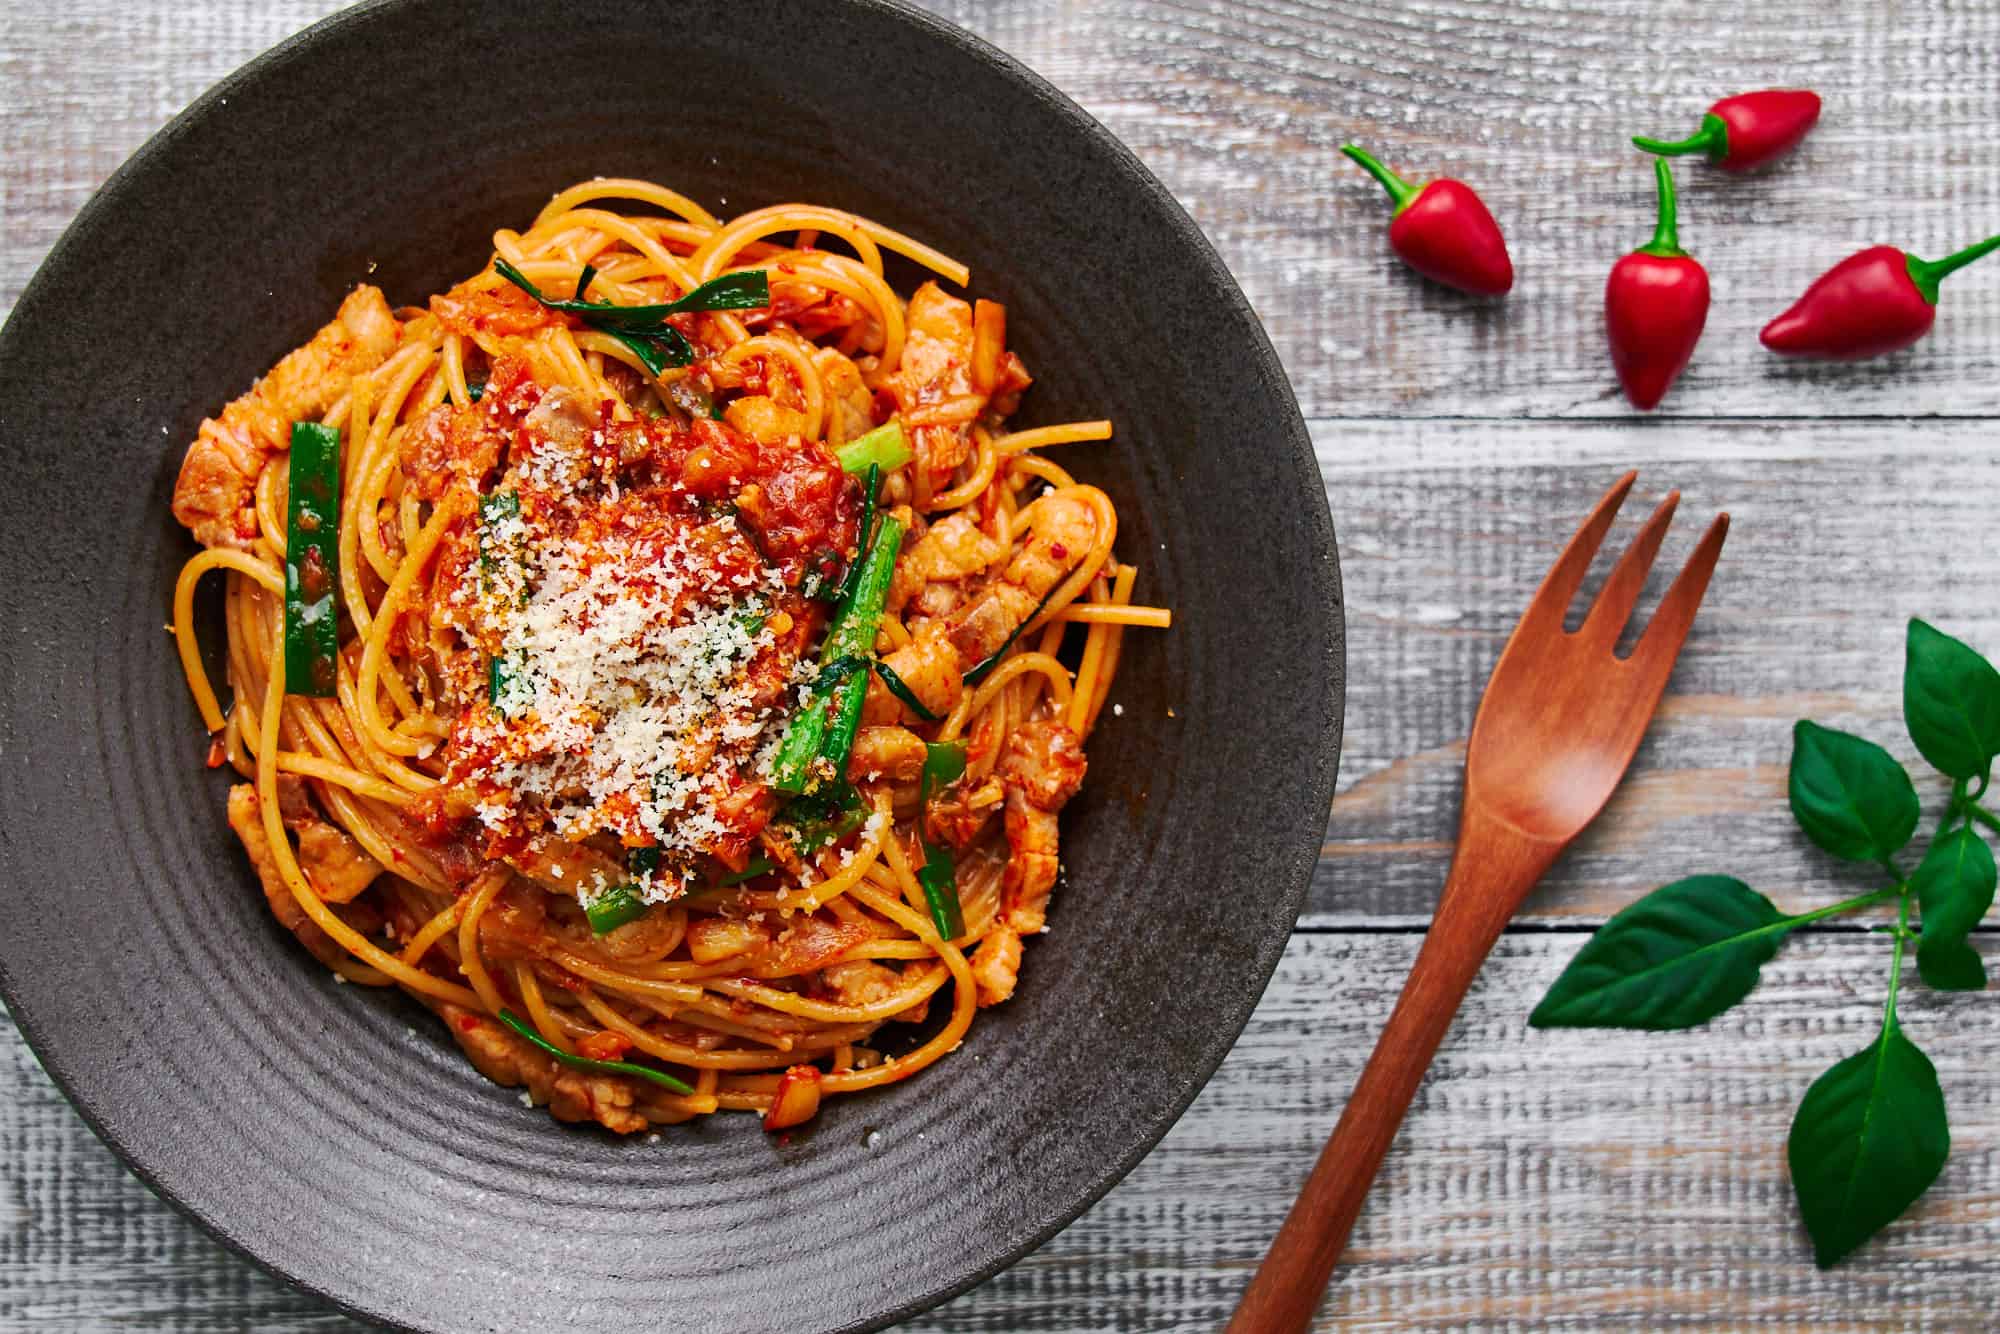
x=1494, y=868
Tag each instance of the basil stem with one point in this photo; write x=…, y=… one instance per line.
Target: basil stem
x=312, y=555
x=660, y=1077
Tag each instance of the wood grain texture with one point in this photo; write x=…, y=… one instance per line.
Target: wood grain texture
x=1842, y=531
x=1575, y=1181
x=1543, y=1180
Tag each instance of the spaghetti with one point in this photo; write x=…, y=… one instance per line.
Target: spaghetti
x=656, y=656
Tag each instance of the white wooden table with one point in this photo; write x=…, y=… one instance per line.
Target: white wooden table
x=1568, y=1180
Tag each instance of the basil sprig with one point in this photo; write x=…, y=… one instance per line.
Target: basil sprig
x=1871, y=1134
x=644, y=329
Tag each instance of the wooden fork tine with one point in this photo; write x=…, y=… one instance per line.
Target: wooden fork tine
x=1558, y=590
x=1661, y=643
x=1614, y=602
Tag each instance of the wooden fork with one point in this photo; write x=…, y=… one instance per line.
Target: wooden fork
x=1560, y=720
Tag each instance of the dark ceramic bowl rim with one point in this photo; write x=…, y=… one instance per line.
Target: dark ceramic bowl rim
x=1221, y=1038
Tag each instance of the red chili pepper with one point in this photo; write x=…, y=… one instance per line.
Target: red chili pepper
x=1444, y=231
x=1655, y=304
x=1747, y=130
x=1880, y=300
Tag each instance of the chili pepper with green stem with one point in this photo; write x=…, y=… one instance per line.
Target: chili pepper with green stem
x=1746, y=131
x=1444, y=231
x=1878, y=301
x=1655, y=304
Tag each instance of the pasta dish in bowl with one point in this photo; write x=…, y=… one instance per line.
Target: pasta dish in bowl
x=656, y=655
x=578, y=713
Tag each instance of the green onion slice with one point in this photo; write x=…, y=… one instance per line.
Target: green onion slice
x=901, y=690
x=820, y=736
x=644, y=329
x=979, y=670
x=944, y=764
x=312, y=557
x=614, y=908
x=885, y=447
x=660, y=1077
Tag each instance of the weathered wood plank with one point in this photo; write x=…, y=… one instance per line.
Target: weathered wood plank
x=1548, y=1181
x=1241, y=109
x=1545, y=1180
x=1842, y=531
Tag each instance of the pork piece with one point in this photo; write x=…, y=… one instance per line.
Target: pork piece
x=996, y=964
x=1061, y=530
x=1042, y=767
x=571, y=1095
x=895, y=753
x=215, y=494
x=929, y=666
x=335, y=864
x=245, y=818
x=950, y=551
x=864, y=982
x=848, y=401
x=932, y=385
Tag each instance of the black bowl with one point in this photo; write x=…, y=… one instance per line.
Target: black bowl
x=336, y=1136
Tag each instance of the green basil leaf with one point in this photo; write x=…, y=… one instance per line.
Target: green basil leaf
x=1869, y=1138
x=1850, y=795
x=1954, y=886
x=1950, y=965
x=1951, y=703
x=1676, y=958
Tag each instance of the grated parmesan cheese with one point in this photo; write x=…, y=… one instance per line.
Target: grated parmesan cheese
x=637, y=678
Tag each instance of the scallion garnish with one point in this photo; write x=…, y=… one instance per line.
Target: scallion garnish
x=660, y=1077
x=312, y=554
x=901, y=690
x=944, y=764
x=500, y=678
x=753, y=868
x=823, y=817
x=979, y=670
x=614, y=908
x=871, y=488
x=644, y=329
x=820, y=736
x=885, y=447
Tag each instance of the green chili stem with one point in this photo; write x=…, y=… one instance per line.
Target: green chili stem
x=1928, y=273
x=1984, y=816
x=1400, y=190
x=1712, y=138
x=1666, y=241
